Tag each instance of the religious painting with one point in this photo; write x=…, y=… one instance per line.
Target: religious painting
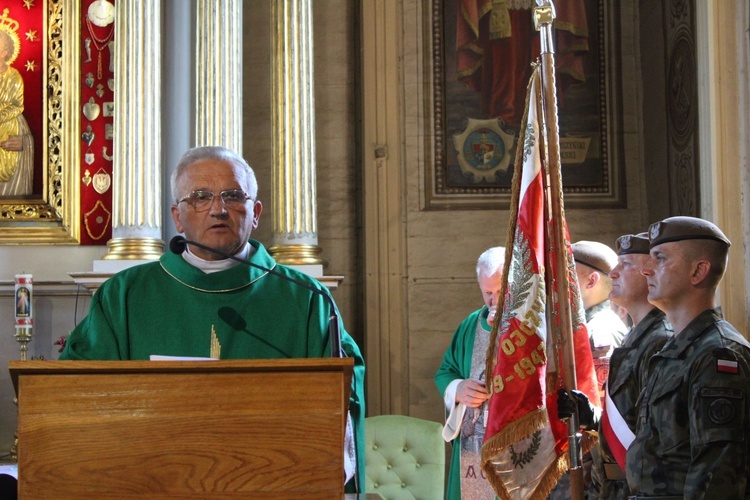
x=482, y=55
x=23, y=303
x=38, y=151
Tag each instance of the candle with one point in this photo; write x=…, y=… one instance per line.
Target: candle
x=24, y=311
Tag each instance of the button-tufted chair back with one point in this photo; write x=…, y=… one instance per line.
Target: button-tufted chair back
x=405, y=458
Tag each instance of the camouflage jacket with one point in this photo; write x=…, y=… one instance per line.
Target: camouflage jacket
x=627, y=376
x=693, y=427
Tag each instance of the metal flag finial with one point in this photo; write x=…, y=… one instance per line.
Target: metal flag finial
x=544, y=13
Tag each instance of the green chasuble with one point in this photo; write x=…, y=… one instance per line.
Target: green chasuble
x=457, y=365
x=170, y=308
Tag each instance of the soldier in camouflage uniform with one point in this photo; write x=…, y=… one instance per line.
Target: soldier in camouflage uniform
x=627, y=365
x=594, y=261
x=693, y=428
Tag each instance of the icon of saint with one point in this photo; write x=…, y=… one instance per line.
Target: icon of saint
x=23, y=307
x=16, y=141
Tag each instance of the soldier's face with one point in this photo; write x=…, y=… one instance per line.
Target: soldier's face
x=628, y=284
x=667, y=273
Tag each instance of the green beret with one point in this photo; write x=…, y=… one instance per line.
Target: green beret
x=594, y=254
x=684, y=228
x=632, y=243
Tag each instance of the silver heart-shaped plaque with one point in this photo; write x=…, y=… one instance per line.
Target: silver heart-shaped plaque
x=91, y=110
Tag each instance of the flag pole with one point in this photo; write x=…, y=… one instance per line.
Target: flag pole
x=544, y=14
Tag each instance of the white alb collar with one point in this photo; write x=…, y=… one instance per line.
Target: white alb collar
x=214, y=266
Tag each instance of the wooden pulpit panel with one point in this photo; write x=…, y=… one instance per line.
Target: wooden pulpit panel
x=271, y=428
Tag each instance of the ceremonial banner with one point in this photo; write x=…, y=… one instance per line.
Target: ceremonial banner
x=524, y=446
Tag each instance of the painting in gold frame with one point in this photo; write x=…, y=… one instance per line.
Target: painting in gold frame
x=459, y=174
x=50, y=214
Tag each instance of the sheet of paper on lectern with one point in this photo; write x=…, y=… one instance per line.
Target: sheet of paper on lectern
x=159, y=357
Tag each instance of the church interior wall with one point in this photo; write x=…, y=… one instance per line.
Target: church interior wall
x=653, y=117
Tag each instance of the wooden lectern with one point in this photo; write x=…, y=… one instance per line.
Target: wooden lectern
x=179, y=429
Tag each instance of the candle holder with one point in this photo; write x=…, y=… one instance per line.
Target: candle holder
x=23, y=304
x=24, y=311
x=23, y=336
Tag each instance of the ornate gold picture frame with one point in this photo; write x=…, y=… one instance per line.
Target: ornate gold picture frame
x=473, y=150
x=50, y=215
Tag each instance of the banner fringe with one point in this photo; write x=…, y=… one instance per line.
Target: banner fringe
x=514, y=432
x=550, y=477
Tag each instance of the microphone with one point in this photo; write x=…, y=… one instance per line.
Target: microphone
x=179, y=244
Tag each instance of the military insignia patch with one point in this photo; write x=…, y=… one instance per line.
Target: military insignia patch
x=726, y=366
x=626, y=241
x=722, y=406
x=654, y=230
x=721, y=411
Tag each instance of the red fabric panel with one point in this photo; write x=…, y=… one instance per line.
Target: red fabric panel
x=96, y=207
x=32, y=36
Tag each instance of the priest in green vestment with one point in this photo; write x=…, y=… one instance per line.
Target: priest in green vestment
x=460, y=380
x=200, y=304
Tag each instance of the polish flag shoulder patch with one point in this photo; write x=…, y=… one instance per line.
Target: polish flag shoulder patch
x=726, y=366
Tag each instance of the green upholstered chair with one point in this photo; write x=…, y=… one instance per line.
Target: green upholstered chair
x=404, y=458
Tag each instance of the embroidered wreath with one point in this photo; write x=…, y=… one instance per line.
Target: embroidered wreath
x=523, y=458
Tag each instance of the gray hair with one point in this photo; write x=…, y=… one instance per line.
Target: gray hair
x=491, y=262
x=218, y=153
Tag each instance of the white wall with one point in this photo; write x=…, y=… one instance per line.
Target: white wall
x=54, y=310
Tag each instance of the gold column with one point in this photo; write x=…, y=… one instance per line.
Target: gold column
x=218, y=103
x=136, y=170
x=295, y=232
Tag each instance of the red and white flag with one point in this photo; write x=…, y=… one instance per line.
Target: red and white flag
x=525, y=444
x=616, y=431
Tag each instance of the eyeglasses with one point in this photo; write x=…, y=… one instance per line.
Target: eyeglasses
x=202, y=200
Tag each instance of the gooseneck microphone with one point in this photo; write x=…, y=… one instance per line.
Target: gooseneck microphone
x=179, y=244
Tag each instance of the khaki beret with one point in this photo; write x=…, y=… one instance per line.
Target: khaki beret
x=594, y=254
x=684, y=228
x=632, y=243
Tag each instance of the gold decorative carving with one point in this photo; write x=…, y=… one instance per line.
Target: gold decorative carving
x=52, y=216
x=28, y=212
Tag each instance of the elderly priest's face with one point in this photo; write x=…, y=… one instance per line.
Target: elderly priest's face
x=211, y=213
